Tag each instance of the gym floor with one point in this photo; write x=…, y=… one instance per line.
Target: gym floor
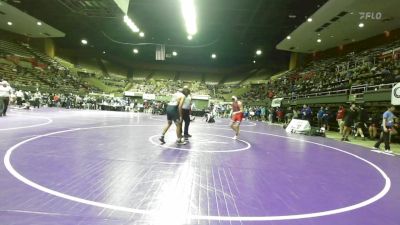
x=96, y=167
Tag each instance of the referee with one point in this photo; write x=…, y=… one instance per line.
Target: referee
x=186, y=109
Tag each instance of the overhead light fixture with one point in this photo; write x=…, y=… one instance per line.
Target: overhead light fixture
x=254, y=61
x=141, y=34
x=84, y=41
x=258, y=52
x=361, y=25
x=288, y=37
x=309, y=20
x=189, y=15
x=135, y=51
x=9, y=23
x=104, y=52
x=174, y=53
x=319, y=40
x=131, y=24
x=39, y=23
x=213, y=56
x=189, y=37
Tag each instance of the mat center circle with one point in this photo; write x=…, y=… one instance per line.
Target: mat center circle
x=203, y=143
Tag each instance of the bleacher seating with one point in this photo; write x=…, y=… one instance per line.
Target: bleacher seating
x=162, y=75
x=14, y=49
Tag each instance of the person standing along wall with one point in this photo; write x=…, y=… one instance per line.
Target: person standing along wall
x=5, y=92
x=339, y=118
x=306, y=113
x=349, y=122
x=320, y=114
x=387, y=125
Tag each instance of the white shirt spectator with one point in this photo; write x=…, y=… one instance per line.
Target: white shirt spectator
x=19, y=94
x=5, y=89
x=37, y=95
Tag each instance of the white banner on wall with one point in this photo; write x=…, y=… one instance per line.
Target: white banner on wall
x=132, y=93
x=149, y=96
x=396, y=94
x=201, y=97
x=276, y=102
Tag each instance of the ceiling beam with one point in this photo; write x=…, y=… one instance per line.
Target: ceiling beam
x=251, y=18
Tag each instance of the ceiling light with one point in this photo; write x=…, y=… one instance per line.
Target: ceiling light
x=141, y=34
x=84, y=41
x=174, y=53
x=360, y=25
x=135, y=51
x=213, y=56
x=104, y=52
x=309, y=20
x=9, y=23
x=189, y=37
x=254, y=61
x=319, y=40
x=131, y=24
x=39, y=23
x=288, y=37
x=189, y=15
x=258, y=52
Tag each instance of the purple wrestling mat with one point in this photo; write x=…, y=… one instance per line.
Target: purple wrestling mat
x=96, y=167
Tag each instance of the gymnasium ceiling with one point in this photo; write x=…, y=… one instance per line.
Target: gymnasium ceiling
x=232, y=29
x=338, y=23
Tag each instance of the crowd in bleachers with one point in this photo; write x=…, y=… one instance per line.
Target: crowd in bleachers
x=167, y=87
x=31, y=79
x=371, y=67
x=340, y=75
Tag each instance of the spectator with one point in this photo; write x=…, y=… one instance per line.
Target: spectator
x=320, y=115
x=326, y=118
x=373, y=127
x=5, y=92
x=361, y=124
x=339, y=118
x=306, y=113
x=387, y=125
x=349, y=122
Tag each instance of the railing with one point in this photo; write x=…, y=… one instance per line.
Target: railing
x=358, y=89
x=363, y=88
x=324, y=93
x=354, y=90
x=380, y=86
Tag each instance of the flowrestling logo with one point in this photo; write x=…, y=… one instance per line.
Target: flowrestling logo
x=370, y=15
